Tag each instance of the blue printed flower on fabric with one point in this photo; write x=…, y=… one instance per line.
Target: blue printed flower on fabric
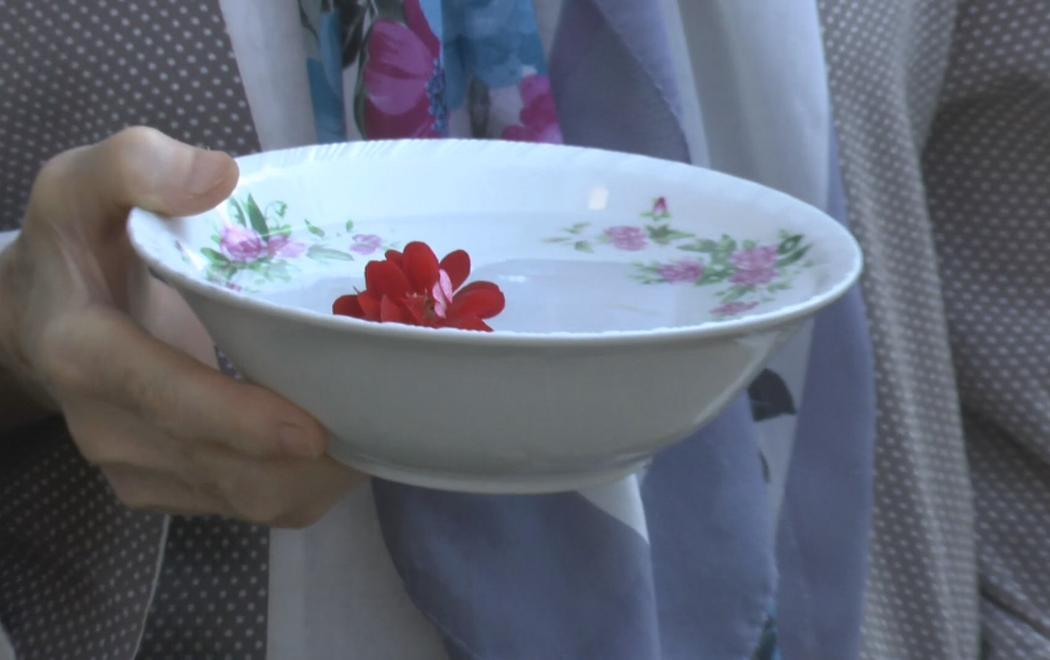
x=325, y=77
x=496, y=41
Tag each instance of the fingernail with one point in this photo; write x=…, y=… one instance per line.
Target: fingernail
x=297, y=441
x=208, y=170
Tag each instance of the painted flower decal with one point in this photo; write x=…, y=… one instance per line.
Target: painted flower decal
x=660, y=208
x=241, y=245
x=539, y=119
x=366, y=243
x=414, y=288
x=403, y=81
x=734, y=308
x=755, y=266
x=632, y=239
x=684, y=271
x=244, y=245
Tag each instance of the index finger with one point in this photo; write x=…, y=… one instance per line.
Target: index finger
x=119, y=362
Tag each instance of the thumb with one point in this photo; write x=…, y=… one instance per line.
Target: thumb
x=136, y=167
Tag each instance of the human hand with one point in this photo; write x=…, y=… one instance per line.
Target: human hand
x=170, y=433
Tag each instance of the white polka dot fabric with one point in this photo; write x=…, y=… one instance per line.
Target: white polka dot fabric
x=987, y=170
x=76, y=568
x=887, y=60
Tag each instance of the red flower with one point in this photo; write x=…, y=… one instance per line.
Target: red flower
x=414, y=288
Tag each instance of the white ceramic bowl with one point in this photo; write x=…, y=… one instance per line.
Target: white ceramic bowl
x=642, y=295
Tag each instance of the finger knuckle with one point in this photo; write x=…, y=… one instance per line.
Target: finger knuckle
x=54, y=174
x=135, y=139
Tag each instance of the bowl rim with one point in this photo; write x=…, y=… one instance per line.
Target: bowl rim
x=746, y=325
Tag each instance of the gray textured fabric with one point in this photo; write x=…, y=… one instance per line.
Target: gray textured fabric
x=75, y=72
x=887, y=60
x=987, y=172
x=76, y=568
x=943, y=110
x=7, y=652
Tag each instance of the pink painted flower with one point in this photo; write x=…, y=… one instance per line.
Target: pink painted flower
x=686, y=270
x=366, y=243
x=538, y=117
x=734, y=308
x=627, y=238
x=282, y=246
x=754, y=266
x=404, y=83
x=242, y=245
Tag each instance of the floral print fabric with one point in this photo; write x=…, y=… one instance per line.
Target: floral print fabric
x=382, y=69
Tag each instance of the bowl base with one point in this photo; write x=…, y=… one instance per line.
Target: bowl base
x=488, y=484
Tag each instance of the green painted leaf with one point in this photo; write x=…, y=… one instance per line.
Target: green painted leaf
x=727, y=245
x=705, y=246
x=238, y=213
x=215, y=257
x=789, y=244
x=793, y=257
x=664, y=235
x=749, y=244
x=349, y=225
x=322, y=253
x=736, y=293
x=583, y=246
x=557, y=239
x=578, y=227
x=276, y=208
x=256, y=217
x=714, y=276
x=314, y=229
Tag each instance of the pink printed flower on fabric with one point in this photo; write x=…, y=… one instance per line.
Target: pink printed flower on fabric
x=404, y=82
x=687, y=270
x=538, y=117
x=754, y=266
x=627, y=238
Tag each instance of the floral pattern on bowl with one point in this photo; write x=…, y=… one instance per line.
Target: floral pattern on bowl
x=755, y=273
x=257, y=245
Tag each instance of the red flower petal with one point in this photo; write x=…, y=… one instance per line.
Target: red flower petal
x=416, y=308
x=369, y=305
x=468, y=323
x=481, y=299
x=385, y=278
x=391, y=312
x=348, y=306
x=395, y=256
x=421, y=266
x=457, y=265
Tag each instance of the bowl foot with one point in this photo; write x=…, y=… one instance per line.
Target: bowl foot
x=490, y=484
